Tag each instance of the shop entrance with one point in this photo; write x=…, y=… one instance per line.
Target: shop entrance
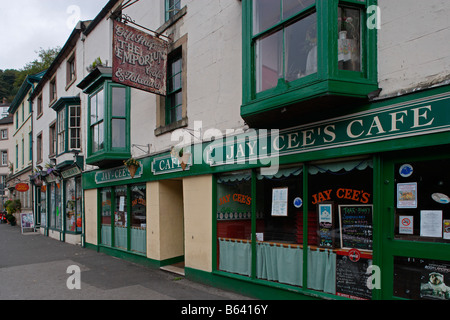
x=172, y=225
x=416, y=216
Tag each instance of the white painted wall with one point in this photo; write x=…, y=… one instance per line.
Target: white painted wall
x=413, y=44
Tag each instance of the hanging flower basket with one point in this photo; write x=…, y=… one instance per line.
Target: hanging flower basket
x=132, y=165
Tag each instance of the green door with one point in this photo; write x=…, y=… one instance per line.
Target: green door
x=415, y=225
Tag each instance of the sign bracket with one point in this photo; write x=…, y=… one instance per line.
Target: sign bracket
x=127, y=19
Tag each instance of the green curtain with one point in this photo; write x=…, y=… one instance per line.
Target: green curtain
x=138, y=240
x=120, y=236
x=235, y=257
x=322, y=270
x=281, y=264
x=106, y=234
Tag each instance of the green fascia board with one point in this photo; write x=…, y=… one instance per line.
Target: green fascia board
x=65, y=101
x=27, y=84
x=349, y=89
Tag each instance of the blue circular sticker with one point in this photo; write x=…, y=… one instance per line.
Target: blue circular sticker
x=298, y=202
x=406, y=170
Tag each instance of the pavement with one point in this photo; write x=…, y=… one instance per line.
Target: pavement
x=35, y=267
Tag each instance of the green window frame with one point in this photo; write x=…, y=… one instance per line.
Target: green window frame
x=174, y=98
x=67, y=122
x=327, y=78
x=171, y=8
x=108, y=123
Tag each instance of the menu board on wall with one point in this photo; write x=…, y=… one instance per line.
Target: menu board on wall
x=351, y=278
x=279, y=202
x=356, y=226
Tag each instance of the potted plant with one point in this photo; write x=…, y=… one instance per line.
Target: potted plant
x=132, y=165
x=12, y=206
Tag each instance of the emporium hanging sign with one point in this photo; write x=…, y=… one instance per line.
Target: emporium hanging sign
x=409, y=119
x=139, y=59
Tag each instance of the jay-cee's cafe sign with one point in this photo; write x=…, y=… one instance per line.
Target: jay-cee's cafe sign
x=139, y=59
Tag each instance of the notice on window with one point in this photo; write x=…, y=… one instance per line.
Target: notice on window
x=406, y=225
x=407, y=195
x=447, y=229
x=431, y=223
x=279, y=202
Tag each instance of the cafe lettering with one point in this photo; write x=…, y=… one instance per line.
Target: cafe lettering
x=386, y=123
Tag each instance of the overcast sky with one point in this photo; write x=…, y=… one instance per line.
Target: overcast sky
x=28, y=25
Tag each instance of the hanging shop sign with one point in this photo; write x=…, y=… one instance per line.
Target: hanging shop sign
x=22, y=187
x=401, y=120
x=117, y=174
x=139, y=59
x=71, y=172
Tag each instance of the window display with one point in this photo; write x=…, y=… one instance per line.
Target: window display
x=73, y=204
x=349, y=39
x=138, y=219
x=334, y=241
x=105, y=198
x=422, y=201
x=120, y=217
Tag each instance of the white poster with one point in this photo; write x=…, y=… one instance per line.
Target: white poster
x=431, y=223
x=407, y=195
x=279, y=202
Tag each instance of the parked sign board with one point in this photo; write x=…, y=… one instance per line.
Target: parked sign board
x=139, y=59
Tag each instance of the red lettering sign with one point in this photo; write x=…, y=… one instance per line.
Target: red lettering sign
x=22, y=187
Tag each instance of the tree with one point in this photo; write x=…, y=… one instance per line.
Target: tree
x=46, y=57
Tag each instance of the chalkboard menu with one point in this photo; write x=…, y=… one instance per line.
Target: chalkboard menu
x=356, y=226
x=351, y=278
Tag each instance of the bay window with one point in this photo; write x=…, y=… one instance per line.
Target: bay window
x=108, y=122
x=68, y=126
x=296, y=52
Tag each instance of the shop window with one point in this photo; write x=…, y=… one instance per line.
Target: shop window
x=43, y=205
x=55, y=206
x=279, y=228
x=422, y=197
x=421, y=279
x=138, y=219
x=126, y=206
x=105, y=217
x=234, y=222
x=120, y=217
x=174, y=99
x=340, y=205
x=73, y=205
x=334, y=241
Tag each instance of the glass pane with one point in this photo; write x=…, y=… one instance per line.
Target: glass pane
x=301, y=48
x=279, y=226
x=422, y=198
x=138, y=219
x=118, y=133
x=58, y=207
x=105, y=196
x=234, y=223
x=78, y=199
x=176, y=114
x=421, y=279
x=101, y=136
x=43, y=206
x=269, y=61
x=71, y=218
x=118, y=102
x=291, y=7
x=120, y=217
x=266, y=13
x=349, y=39
x=340, y=223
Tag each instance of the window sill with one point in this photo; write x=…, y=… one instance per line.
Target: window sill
x=172, y=21
x=171, y=127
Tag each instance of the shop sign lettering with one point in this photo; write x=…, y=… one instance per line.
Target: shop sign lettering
x=139, y=59
x=168, y=164
x=341, y=193
x=116, y=174
x=413, y=118
x=237, y=197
